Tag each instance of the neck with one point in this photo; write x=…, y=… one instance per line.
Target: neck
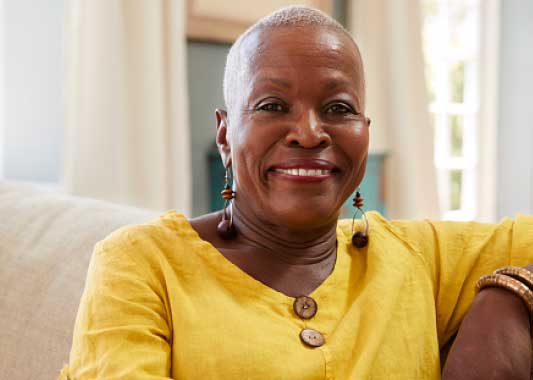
x=284, y=244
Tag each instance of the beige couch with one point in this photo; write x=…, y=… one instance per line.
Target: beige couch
x=46, y=240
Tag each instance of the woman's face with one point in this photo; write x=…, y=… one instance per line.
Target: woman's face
x=297, y=139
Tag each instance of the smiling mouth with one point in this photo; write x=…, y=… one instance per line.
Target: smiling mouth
x=301, y=172
x=304, y=170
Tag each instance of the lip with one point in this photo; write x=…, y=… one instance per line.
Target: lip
x=303, y=163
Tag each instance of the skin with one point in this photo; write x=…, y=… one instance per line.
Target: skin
x=302, y=97
x=493, y=341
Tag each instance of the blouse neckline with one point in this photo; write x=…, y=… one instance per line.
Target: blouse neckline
x=242, y=278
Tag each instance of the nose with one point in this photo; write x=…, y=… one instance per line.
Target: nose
x=308, y=133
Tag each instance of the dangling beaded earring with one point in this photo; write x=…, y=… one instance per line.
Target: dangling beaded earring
x=359, y=238
x=225, y=228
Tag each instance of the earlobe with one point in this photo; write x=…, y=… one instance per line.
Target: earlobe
x=222, y=136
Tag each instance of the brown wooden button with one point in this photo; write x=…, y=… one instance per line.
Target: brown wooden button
x=305, y=307
x=312, y=337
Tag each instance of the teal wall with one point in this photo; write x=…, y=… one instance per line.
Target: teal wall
x=205, y=65
x=371, y=188
x=338, y=10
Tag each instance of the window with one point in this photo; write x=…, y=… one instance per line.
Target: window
x=452, y=52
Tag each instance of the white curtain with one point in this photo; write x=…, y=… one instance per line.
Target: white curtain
x=2, y=90
x=127, y=138
x=389, y=34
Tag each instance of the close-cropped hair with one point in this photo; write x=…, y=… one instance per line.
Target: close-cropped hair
x=294, y=15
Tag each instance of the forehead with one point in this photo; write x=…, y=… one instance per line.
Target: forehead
x=289, y=47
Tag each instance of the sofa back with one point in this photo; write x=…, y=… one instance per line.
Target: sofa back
x=46, y=240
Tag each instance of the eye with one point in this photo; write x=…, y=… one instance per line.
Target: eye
x=340, y=108
x=271, y=107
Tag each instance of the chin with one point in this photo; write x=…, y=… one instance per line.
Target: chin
x=302, y=217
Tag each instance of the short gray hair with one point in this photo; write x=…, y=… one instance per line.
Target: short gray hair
x=294, y=15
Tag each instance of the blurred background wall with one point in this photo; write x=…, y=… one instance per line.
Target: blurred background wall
x=515, y=126
x=32, y=123
x=33, y=77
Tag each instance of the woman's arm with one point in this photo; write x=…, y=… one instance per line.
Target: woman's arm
x=493, y=328
x=123, y=327
x=494, y=340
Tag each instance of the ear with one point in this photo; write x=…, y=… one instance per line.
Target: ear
x=223, y=145
x=368, y=121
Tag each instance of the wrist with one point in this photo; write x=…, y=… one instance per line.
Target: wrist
x=502, y=304
x=511, y=283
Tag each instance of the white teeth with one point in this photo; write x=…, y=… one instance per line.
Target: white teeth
x=304, y=172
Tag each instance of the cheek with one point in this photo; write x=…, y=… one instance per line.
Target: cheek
x=250, y=147
x=354, y=144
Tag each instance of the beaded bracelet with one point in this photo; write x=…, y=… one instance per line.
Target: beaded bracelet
x=509, y=283
x=520, y=274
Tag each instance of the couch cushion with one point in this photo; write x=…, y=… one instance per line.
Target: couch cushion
x=46, y=240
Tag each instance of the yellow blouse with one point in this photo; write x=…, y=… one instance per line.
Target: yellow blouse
x=161, y=303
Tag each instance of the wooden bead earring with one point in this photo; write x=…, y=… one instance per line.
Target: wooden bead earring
x=226, y=230
x=359, y=238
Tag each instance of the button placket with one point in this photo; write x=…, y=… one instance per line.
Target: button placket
x=312, y=338
x=306, y=308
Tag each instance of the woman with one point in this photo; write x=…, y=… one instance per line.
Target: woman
x=274, y=287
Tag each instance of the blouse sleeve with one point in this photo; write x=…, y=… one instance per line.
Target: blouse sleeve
x=122, y=327
x=458, y=254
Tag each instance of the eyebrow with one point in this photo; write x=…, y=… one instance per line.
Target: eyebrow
x=331, y=84
x=334, y=83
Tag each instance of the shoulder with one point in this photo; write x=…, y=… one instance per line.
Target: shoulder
x=169, y=225
x=428, y=235
x=167, y=237
x=378, y=225
x=387, y=236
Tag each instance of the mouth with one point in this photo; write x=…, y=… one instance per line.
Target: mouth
x=304, y=170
